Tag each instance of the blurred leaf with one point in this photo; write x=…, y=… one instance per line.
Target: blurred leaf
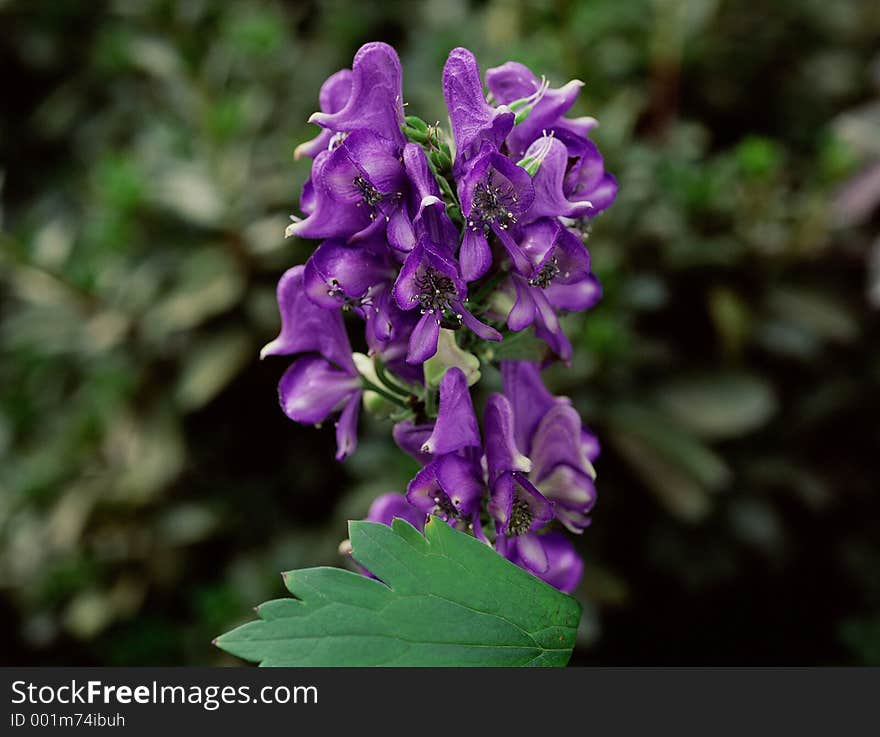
x=210, y=366
x=208, y=283
x=677, y=491
x=718, y=406
x=819, y=314
x=675, y=445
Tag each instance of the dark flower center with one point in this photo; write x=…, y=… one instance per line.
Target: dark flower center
x=436, y=292
x=492, y=203
x=521, y=518
x=444, y=508
x=549, y=271
x=334, y=289
x=370, y=196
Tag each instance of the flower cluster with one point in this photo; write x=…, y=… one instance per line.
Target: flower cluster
x=442, y=248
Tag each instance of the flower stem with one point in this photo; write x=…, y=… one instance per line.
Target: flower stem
x=390, y=383
x=393, y=398
x=430, y=403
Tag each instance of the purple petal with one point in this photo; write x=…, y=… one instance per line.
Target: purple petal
x=411, y=437
x=565, y=567
x=575, y=297
x=473, y=119
x=376, y=100
x=400, y=232
x=590, y=444
x=333, y=95
x=423, y=489
x=367, y=156
x=307, y=328
x=346, y=428
x=419, y=171
x=588, y=180
x=456, y=425
x=475, y=256
x=529, y=399
x=391, y=506
x=522, y=314
x=462, y=481
x=520, y=262
x=486, y=332
x=423, y=341
x=406, y=288
x=557, y=440
x=513, y=81
x=531, y=553
x=337, y=273
x=502, y=453
x=550, y=200
x=311, y=389
x=500, y=506
x=327, y=219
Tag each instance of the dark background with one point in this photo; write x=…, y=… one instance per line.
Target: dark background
x=150, y=488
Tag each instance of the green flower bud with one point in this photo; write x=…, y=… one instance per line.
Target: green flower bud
x=450, y=354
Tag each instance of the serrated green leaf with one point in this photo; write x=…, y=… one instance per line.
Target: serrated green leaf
x=444, y=599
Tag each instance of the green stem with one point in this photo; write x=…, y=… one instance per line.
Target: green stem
x=388, y=381
x=393, y=398
x=430, y=403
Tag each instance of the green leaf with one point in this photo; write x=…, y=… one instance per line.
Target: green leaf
x=444, y=599
x=719, y=406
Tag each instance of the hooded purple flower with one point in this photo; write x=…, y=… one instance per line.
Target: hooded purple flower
x=559, y=450
x=451, y=483
x=334, y=94
x=561, y=280
x=357, y=188
x=494, y=194
x=550, y=156
x=430, y=281
x=474, y=121
x=375, y=101
x=323, y=380
x=516, y=85
x=586, y=178
x=349, y=276
x=518, y=508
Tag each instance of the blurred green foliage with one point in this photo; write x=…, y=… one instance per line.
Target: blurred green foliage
x=150, y=488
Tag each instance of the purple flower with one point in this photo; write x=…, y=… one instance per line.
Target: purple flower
x=451, y=483
x=517, y=507
x=323, y=380
x=450, y=488
x=375, y=101
x=513, y=83
x=357, y=188
x=560, y=466
x=550, y=156
x=456, y=425
x=430, y=280
x=561, y=280
x=586, y=178
x=474, y=121
x=349, y=276
x=494, y=194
